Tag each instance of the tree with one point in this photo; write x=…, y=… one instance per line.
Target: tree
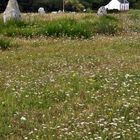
x=3, y=5
x=70, y=5
x=73, y=5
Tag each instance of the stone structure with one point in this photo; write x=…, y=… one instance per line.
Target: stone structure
x=41, y=10
x=12, y=11
x=102, y=11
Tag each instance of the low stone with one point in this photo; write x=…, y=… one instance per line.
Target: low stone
x=12, y=11
x=102, y=11
x=54, y=12
x=41, y=10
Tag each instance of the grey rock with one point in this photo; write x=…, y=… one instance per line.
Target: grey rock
x=102, y=11
x=41, y=10
x=12, y=11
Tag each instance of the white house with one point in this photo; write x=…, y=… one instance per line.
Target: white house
x=121, y=5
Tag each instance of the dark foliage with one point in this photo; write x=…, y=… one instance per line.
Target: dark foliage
x=53, y=5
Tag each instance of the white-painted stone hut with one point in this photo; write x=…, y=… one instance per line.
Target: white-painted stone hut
x=121, y=5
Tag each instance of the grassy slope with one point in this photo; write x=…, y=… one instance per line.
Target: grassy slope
x=54, y=88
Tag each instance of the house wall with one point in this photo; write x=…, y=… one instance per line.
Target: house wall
x=124, y=7
x=114, y=4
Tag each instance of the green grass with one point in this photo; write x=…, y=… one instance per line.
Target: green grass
x=6, y=44
x=107, y=25
x=84, y=27
x=61, y=88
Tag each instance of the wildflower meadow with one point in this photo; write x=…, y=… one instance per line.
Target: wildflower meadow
x=70, y=77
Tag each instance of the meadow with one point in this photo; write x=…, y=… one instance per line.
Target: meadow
x=70, y=77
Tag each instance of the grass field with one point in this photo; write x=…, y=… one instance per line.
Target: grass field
x=64, y=88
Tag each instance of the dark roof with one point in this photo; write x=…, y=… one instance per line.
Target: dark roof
x=123, y=1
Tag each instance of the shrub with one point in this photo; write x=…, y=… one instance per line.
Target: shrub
x=60, y=27
x=16, y=23
x=107, y=25
x=7, y=44
x=69, y=27
x=66, y=27
x=89, y=10
x=136, y=5
x=134, y=15
x=17, y=28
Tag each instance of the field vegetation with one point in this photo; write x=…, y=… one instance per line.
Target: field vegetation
x=68, y=26
x=70, y=77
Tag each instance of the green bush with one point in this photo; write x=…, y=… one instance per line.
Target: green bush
x=7, y=44
x=136, y=5
x=62, y=27
x=107, y=25
x=17, y=28
x=16, y=23
x=89, y=10
x=134, y=18
x=66, y=27
x=26, y=32
x=134, y=15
